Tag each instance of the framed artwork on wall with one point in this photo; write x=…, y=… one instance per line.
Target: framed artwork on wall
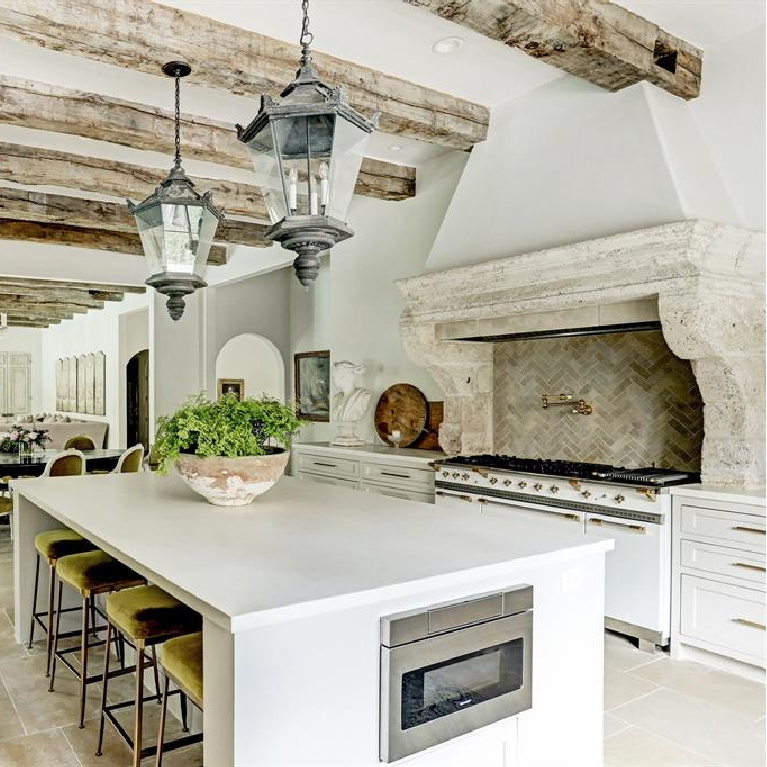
x=312, y=382
x=234, y=386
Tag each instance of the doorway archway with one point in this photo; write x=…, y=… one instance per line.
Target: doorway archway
x=256, y=361
x=137, y=399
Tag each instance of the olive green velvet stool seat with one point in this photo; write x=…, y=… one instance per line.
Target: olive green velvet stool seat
x=144, y=617
x=51, y=546
x=90, y=573
x=181, y=661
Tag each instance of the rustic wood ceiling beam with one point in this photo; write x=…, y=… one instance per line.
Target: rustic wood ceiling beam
x=48, y=315
x=47, y=296
x=88, y=288
x=596, y=40
x=91, y=115
x=9, y=304
x=31, y=323
x=23, y=205
x=143, y=35
x=97, y=239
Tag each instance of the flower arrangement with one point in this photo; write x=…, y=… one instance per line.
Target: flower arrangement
x=20, y=438
x=227, y=428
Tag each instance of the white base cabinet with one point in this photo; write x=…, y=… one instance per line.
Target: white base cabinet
x=718, y=599
x=405, y=474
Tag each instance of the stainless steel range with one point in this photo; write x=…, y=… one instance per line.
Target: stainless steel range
x=632, y=506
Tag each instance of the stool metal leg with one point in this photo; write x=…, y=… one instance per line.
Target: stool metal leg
x=104, y=681
x=156, y=676
x=183, y=704
x=87, y=604
x=139, y=719
x=51, y=592
x=161, y=733
x=55, y=647
x=34, y=601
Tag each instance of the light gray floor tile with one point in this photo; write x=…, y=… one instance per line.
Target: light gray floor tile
x=613, y=725
x=43, y=749
x=622, y=655
x=634, y=747
x=621, y=688
x=697, y=726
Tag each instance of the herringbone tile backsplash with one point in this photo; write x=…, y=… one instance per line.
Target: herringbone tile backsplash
x=647, y=407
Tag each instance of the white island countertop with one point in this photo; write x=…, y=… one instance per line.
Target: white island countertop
x=731, y=493
x=300, y=549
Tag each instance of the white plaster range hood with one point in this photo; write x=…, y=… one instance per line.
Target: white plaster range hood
x=703, y=281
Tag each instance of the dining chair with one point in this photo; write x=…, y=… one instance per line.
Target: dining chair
x=51, y=545
x=80, y=442
x=132, y=460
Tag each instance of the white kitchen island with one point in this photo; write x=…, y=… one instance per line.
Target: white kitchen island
x=292, y=590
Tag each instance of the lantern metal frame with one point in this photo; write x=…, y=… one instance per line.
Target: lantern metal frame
x=176, y=189
x=308, y=235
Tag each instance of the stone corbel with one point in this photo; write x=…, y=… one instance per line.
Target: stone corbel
x=464, y=372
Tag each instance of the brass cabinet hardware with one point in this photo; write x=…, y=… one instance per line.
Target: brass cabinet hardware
x=479, y=471
x=749, y=566
x=433, y=465
x=564, y=515
x=756, y=530
x=648, y=492
x=320, y=463
x=634, y=528
x=575, y=484
x=443, y=494
x=580, y=407
x=750, y=624
x=393, y=474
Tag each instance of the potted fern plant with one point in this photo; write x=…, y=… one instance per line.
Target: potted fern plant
x=228, y=451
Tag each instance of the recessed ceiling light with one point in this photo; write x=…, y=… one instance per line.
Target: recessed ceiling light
x=447, y=45
x=395, y=148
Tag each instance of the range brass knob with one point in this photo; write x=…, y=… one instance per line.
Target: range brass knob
x=493, y=480
x=619, y=498
x=537, y=486
x=465, y=477
x=456, y=475
x=586, y=494
x=445, y=473
x=506, y=482
x=522, y=484
x=554, y=488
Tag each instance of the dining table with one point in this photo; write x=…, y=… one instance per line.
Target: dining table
x=14, y=465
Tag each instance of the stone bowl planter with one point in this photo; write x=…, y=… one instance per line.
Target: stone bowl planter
x=232, y=481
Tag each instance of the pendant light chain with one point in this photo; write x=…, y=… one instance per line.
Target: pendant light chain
x=177, y=161
x=306, y=36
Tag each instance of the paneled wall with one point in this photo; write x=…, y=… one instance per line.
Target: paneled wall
x=646, y=404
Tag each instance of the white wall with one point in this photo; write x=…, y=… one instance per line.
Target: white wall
x=83, y=334
x=29, y=340
x=255, y=360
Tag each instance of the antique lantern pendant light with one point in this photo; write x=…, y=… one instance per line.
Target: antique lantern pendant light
x=176, y=224
x=307, y=150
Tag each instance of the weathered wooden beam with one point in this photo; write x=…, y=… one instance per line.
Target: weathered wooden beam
x=31, y=323
x=593, y=39
x=88, y=288
x=44, y=309
x=48, y=298
x=91, y=115
x=143, y=35
x=48, y=315
x=34, y=167
x=98, y=239
x=24, y=205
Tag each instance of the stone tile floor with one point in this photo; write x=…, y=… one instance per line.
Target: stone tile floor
x=658, y=712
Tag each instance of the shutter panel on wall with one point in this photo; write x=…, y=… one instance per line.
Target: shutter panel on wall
x=15, y=382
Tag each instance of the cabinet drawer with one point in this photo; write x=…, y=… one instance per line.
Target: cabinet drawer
x=746, y=529
x=321, y=464
x=717, y=559
x=393, y=474
x=730, y=617
x=396, y=492
x=325, y=480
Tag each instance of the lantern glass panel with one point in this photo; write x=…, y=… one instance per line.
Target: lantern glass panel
x=266, y=163
x=349, y=143
x=292, y=140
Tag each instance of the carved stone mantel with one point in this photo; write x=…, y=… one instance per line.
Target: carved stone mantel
x=708, y=279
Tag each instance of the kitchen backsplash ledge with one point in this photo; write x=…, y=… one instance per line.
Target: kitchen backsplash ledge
x=646, y=404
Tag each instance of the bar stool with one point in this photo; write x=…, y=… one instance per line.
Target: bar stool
x=90, y=573
x=181, y=661
x=51, y=546
x=143, y=617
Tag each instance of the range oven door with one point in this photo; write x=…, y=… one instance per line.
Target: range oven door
x=437, y=688
x=637, y=575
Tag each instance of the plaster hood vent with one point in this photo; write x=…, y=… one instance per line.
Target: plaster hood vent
x=701, y=282
x=598, y=330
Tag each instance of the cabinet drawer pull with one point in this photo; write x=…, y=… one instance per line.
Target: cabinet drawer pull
x=320, y=463
x=750, y=624
x=749, y=566
x=453, y=495
x=756, y=530
x=392, y=474
x=635, y=528
x=574, y=517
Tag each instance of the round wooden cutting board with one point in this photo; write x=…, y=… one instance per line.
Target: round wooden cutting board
x=403, y=407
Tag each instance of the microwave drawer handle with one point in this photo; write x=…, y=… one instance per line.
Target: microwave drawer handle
x=749, y=566
x=443, y=494
x=757, y=530
x=750, y=624
x=574, y=517
x=639, y=529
